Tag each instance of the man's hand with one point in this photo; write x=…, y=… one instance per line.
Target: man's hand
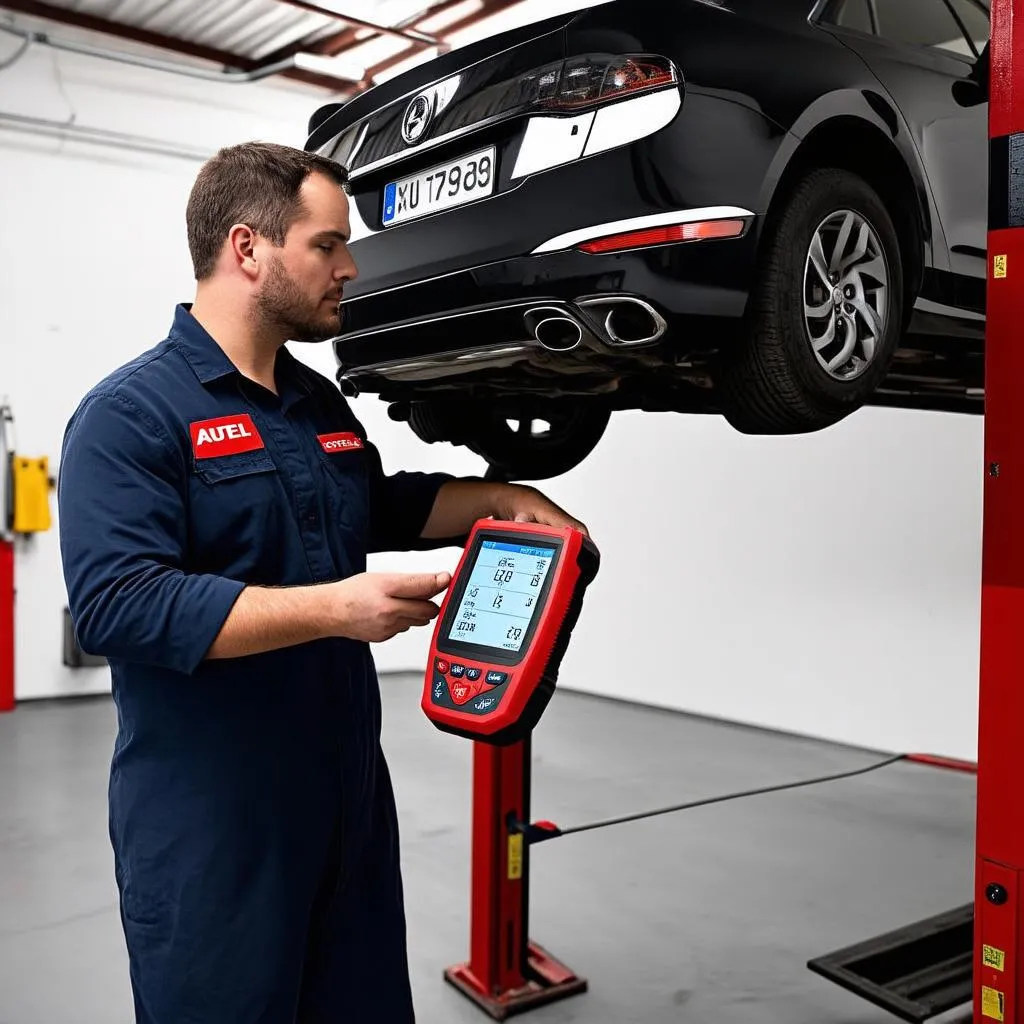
x=372, y=607
x=460, y=503
x=520, y=504
x=377, y=606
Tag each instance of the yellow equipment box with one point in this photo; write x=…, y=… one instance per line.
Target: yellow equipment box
x=31, y=485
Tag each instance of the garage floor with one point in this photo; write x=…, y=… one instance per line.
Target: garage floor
x=709, y=915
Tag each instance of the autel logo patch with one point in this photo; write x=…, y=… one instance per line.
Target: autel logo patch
x=227, y=435
x=332, y=443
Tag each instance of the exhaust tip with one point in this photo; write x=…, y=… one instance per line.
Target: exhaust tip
x=554, y=329
x=559, y=333
x=629, y=321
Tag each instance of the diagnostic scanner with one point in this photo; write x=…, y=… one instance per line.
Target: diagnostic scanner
x=503, y=628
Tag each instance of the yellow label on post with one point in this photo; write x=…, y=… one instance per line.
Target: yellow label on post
x=31, y=483
x=515, y=856
x=992, y=957
x=993, y=1003
x=999, y=265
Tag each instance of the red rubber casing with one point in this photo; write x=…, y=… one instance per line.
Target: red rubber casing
x=508, y=711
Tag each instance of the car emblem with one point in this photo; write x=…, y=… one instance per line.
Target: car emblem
x=417, y=119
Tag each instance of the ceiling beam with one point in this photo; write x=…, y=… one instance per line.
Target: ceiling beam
x=338, y=42
x=409, y=35
x=490, y=7
x=132, y=33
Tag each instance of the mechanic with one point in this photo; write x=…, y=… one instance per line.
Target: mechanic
x=218, y=500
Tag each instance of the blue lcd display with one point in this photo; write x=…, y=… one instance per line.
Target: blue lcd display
x=502, y=595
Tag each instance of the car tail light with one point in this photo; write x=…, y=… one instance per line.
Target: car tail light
x=584, y=81
x=695, y=232
x=587, y=80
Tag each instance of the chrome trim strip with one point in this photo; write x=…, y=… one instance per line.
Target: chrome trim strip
x=941, y=309
x=654, y=220
x=426, y=147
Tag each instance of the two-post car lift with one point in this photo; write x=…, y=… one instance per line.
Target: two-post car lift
x=975, y=952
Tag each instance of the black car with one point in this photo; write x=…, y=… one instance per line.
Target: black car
x=771, y=210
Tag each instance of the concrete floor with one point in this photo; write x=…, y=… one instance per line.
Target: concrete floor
x=709, y=915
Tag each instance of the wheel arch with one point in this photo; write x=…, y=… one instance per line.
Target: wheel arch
x=865, y=141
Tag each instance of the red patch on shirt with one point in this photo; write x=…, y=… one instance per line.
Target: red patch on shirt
x=332, y=443
x=226, y=435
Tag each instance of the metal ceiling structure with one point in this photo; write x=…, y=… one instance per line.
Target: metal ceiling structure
x=324, y=43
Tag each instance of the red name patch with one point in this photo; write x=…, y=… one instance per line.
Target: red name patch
x=332, y=443
x=227, y=435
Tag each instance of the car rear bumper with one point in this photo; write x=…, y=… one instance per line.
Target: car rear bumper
x=677, y=297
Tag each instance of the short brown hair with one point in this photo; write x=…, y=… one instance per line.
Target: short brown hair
x=255, y=183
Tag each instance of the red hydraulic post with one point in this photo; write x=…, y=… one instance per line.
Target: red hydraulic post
x=6, y=626
x=999, y=897
x=506, y=973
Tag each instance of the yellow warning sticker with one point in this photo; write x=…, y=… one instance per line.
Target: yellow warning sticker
x=999, y=266
x=515, y=856
x=992, y=1003
x=992, y=957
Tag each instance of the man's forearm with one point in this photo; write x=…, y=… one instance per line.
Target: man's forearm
x=460, y=503
x=266, y=619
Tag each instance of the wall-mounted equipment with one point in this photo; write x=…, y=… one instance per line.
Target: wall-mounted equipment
x=31, y=484
x=27, y=485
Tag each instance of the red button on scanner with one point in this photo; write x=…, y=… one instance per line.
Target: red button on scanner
x=442, y=666
x=463, y=693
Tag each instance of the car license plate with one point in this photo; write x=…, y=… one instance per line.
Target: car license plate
x=440, y=188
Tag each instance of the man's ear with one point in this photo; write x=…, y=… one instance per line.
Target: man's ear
x=242, y=243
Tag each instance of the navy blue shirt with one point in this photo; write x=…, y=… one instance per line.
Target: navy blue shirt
x=181, y=481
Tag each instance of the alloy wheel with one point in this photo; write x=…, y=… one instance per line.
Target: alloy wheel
x=846, y=294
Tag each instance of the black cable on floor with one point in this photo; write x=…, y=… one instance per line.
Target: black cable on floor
x=546, y=830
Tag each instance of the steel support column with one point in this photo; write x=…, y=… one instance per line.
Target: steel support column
x=999, y=897
x=506, y=973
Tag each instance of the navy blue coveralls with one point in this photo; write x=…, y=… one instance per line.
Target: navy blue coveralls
x=251, y=811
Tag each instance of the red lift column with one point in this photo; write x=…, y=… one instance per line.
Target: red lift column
x=999, y=897
x=6, y=625
x=506, y=973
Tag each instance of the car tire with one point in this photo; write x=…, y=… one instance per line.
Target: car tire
x=793, y=370
x=544, y=440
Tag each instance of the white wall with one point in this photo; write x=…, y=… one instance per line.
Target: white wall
x=826, y=585
x=93, y=257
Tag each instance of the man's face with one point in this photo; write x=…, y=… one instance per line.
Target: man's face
x=304, y=279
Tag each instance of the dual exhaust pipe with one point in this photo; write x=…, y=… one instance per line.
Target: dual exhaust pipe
x=619, y=321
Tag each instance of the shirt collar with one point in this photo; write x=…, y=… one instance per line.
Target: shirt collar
x=209, y=361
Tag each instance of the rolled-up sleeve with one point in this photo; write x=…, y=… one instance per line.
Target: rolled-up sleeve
x=123, y=535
